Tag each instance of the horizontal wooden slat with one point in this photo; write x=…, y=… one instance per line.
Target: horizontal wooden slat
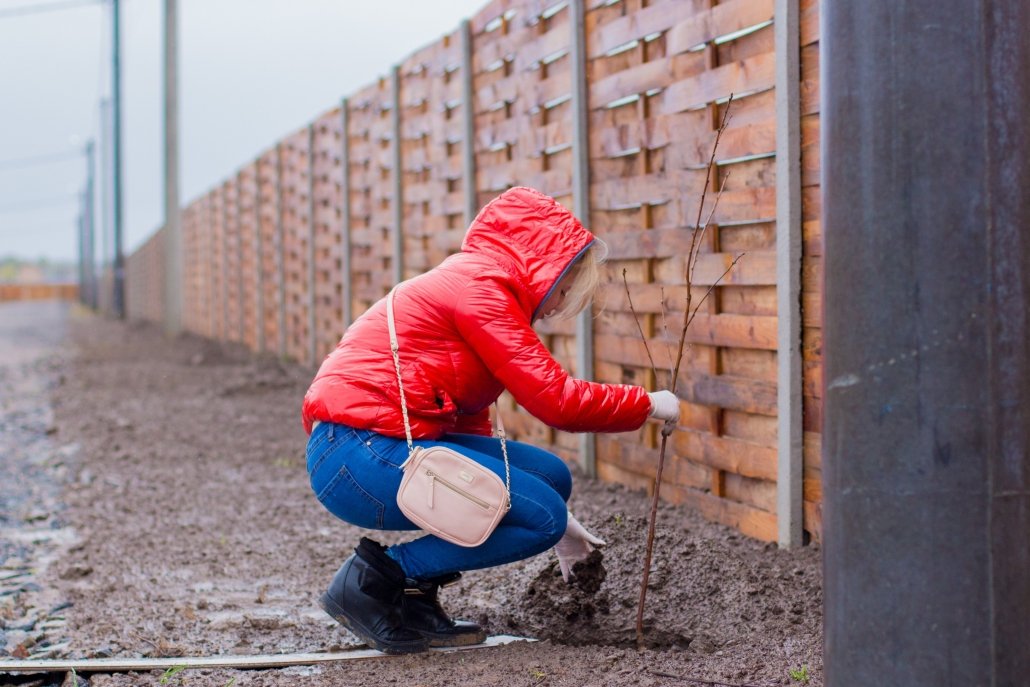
x=725, y=453
x=755, y=74
x=751, y=521
x=723, y=19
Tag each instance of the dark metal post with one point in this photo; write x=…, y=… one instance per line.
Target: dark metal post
x=926, y=159
x=105, y=197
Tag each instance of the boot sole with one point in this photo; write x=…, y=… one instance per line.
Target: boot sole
x=463, y=639
x=340, y=615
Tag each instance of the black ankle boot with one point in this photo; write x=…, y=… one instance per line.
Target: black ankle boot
x=366, y=596
x=422, y=612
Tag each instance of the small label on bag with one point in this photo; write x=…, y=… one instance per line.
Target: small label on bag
x=466, y=476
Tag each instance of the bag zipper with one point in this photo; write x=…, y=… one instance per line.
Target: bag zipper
x=433, y=477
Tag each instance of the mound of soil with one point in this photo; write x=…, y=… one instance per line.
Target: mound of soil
x=198, y=534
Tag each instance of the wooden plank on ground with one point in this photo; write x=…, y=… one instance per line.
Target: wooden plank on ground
x=122, y=665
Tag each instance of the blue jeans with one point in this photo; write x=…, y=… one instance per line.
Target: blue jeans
x=356, y=473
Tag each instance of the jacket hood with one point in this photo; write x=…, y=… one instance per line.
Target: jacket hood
x=531, y=236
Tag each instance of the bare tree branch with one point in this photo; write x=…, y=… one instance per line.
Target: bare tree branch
x=688, y=315
x=636, y=319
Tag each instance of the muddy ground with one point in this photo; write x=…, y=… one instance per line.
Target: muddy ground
x=172, y=473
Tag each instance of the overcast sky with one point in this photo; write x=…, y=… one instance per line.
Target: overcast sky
x=251, y=71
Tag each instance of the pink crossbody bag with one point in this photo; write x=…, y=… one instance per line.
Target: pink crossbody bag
x=443, y=492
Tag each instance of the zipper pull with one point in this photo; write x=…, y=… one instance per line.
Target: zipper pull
x=432, y=483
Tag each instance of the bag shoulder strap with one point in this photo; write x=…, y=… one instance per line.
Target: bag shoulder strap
x=394, y=348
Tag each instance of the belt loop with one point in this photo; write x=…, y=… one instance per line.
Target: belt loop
x=332, y=430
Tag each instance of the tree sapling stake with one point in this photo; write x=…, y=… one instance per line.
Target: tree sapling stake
x=688, y=317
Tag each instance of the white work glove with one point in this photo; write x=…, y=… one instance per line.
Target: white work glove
x=575, y=545
x=665, y=406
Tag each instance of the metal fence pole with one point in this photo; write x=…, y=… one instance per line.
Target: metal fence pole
x=789, y=513
x=118, y=260
x=90, y=214
x=581, y=205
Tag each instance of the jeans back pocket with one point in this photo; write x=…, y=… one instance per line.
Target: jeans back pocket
x=346, y=499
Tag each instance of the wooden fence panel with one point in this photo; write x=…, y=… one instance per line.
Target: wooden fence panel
x=296, y=230
x=144, y=280
x=208, y=265
x=219, y=321
x=812, y=283
x=187, y=219
x=371, y=169
x=432, y=133
x=522, y=89
x=38, y=292
x=271, y=253
x=660, y=76
x=233, y=239
x=246, y=221
x=194, y=305
x=328, y=189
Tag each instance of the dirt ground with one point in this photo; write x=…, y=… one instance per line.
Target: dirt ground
x=159, y=489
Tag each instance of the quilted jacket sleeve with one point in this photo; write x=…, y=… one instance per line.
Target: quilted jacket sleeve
x=489, y=318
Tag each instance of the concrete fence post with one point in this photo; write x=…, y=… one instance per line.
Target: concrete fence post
x=468, y=145
x=223, y=328
x=398, y=178
x=581, y=205
x=312, y=301
x=241, y=315
x=259, y=263
x=789, y=512
x=347, y=277
x=280, y=254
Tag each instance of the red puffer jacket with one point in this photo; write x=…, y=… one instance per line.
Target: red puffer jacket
x=465, y=335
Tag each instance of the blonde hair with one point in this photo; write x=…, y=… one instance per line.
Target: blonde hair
x=588, y=277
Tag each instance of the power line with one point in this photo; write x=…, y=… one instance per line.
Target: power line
x=21, y=163
x=23, y=10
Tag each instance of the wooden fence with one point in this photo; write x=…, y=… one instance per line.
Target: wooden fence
x=283, y=254
x=38, y=292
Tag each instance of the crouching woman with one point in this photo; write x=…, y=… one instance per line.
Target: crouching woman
x=465, y=335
